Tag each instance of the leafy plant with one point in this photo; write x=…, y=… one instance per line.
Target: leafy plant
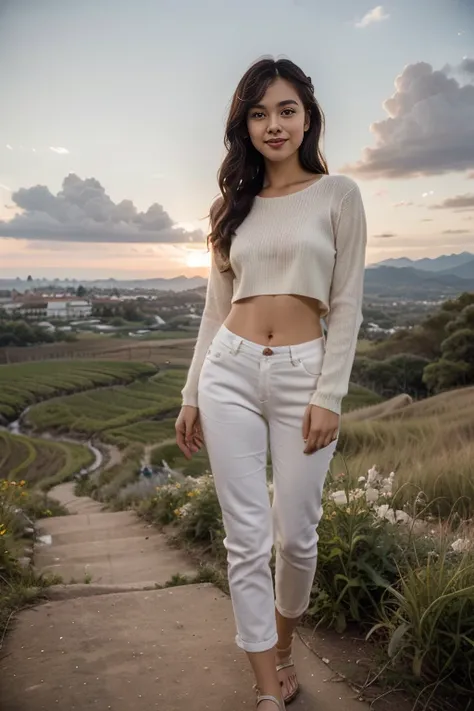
x=427, y=618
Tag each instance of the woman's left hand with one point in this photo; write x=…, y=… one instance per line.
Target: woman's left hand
x=320, y=428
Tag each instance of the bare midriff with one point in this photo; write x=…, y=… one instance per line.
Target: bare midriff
x=278, y=320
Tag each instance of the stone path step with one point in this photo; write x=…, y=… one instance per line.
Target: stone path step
x=114, y=645
x=171, y=650
x=107, y=548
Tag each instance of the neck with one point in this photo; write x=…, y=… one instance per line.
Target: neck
x=284, y=173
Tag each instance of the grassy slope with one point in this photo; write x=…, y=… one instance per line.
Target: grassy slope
x=429, y=443
x=40, y=462
x=26, y=383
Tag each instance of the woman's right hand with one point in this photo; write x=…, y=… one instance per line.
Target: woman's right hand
x=189, y=437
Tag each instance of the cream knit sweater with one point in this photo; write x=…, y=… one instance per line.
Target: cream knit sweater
x=309, y=243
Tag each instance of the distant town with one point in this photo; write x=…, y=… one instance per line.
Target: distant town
x=398, y=294
x=136, y=312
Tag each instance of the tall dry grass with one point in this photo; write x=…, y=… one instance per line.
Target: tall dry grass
x=429, y=444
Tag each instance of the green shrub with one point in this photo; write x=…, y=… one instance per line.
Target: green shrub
x=427, y=617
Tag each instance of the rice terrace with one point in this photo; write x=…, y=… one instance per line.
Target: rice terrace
x=396, y=554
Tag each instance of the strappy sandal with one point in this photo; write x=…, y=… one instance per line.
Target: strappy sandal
x=267, y=697
x=287, y=664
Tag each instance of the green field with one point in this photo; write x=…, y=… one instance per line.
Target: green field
x=143, y=431
x=23, y=384
x=113, y=408
x=40, y=462
x=137, y=412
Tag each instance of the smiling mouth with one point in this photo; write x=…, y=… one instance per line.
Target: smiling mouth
x=277, y=140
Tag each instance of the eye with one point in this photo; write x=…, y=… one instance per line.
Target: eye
x=288, y=112
x=256, y=114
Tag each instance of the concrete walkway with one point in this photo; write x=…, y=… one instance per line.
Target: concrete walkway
x=119, y=643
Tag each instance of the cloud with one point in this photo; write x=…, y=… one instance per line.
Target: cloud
x=59, y=149
x=385, y=235
x=429, y=131
x=5, y=187
x=460, y=202
x=403, y=203
x=466, y=67
x=83, y=212
x=375, y=15
x=455, y=232
x=427, y=219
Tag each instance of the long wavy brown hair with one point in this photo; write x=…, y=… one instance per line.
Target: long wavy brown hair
x=241, y=175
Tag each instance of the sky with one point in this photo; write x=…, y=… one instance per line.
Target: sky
x=112, y=117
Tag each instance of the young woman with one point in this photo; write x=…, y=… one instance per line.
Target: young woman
x=288, y=248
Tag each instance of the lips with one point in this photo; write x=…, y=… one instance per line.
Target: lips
x=276, y=142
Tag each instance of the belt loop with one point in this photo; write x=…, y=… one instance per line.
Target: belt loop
x=292, y=360
x=236, y=343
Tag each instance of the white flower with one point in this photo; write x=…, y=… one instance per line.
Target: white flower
x=372, y=475
x=461, y=545
x=339, y=497
x=356, y=494
x=403, y=517
x=384, y=511
x=371, y=495
x=361, y=479
x=184, y=510
x=387, y=485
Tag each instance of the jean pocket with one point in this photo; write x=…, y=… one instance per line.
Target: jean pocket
x=311, y=365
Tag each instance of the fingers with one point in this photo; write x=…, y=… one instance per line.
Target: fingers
x=181, y=439
x=306, y=423
x=189, y=437
x=318, y=439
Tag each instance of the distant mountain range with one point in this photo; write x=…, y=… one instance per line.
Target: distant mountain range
x=461, y=265
x=179, y=283
x=430, y=279
x=422, y=279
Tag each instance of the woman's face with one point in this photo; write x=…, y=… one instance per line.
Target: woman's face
x=277, y=124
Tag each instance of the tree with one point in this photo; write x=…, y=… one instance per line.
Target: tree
x=81, y=291
x=30, y=278
x=444, y=375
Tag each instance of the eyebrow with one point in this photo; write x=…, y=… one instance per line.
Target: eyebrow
x=286, y=102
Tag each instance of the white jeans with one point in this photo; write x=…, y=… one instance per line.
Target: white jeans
x=246, y=400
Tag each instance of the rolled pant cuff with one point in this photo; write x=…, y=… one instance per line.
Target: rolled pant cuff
x=288, y=614
x=256, y=646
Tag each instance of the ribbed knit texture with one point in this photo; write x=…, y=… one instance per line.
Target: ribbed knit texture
x=309, y=243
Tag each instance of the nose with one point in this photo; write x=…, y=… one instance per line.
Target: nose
x=274, y=129
x=274, y=126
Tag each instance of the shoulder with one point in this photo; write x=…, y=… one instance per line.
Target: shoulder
x=343, y=185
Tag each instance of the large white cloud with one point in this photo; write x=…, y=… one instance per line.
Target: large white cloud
x=430, y=129
x=83, y=212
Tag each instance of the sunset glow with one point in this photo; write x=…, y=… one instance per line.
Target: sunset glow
x=197, y=258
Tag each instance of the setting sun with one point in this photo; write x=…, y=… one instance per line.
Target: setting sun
x=197, y=258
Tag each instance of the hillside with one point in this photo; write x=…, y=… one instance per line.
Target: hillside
x=463, y=271
x=414, y=283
